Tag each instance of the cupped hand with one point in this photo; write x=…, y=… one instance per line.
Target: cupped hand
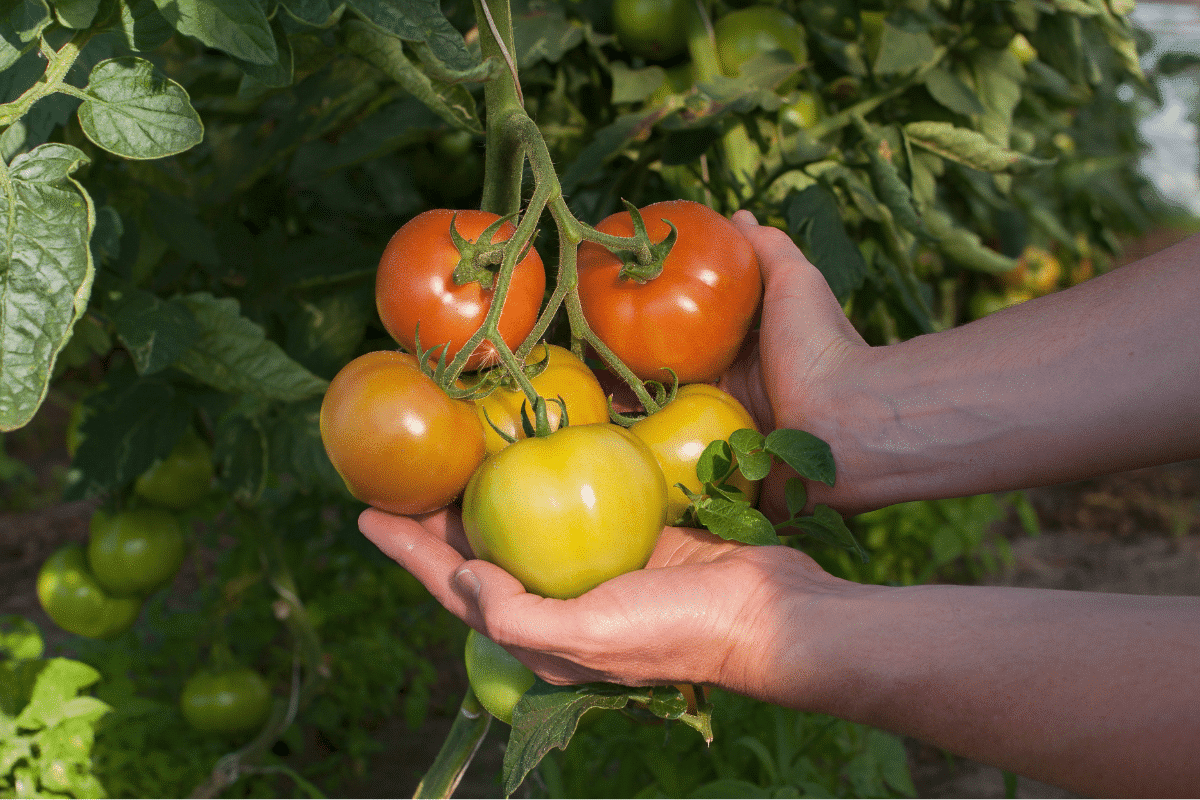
x=804, y=351
x=702, y=611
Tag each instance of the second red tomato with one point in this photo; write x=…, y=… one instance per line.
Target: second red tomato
x=414, y=285
x=693, y=316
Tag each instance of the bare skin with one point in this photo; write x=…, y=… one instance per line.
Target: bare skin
x=1093, y=692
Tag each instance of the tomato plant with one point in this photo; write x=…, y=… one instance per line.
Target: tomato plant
x=71, y=596
x=565, y=512
x=181, y=479
x=565, y=377
x=135, y=552
x=497, y=678
x=417, y=295
x=397, y=440
x=232, y=700
x=678, y=433
x=692, y=317
x=652, y=29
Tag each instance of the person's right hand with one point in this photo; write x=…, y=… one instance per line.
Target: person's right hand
x=804, y=346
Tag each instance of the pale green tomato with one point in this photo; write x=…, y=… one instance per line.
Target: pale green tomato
x=135, y=552
x=678, y=433
x=497, y=678
x=563, y=513
x=70, y=595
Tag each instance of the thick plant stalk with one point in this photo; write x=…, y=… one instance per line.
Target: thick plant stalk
x=466, y=734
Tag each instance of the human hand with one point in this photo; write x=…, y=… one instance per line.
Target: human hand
x=787, y=369
x=702, y=611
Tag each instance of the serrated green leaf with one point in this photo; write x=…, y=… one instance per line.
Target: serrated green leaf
x=234, y=355
x=803, y=452
x=827, y=525
x=129, y=426
x=715, y=462
x=237, y=27
x=795, y=496
x=545, y=718
x=968, y=147
x=543, y=32
x=296, y=447
x=814, y=218
x=155, y=331
x=45, y=272
x=453, y=103
x=965, y=247
x=144, y=27
x=242, y=454
x=59, y=681
x=736, y=522
x=135, y=111
x=418, y=21
x=949, y=90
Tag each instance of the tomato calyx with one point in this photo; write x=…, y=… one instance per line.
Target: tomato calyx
x=662, y=395
x=480, y=260
x=645, y=263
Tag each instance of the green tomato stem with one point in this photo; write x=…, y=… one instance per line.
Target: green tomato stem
x=462, y=742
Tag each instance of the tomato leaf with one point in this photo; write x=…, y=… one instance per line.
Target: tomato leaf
x=239, y=27
x=135, y=111
x=815, y=219
x=795, y=495
x=46, y=272
x=803, y=452
x=736, y=522
x=546, y=717
x=827, y=525
x=156, y=332
x=752, y=461
x=715, y=462
x=968, y=147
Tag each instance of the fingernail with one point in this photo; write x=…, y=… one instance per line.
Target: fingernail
x=468, y=581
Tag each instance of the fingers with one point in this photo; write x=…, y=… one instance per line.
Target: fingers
x=422, y=549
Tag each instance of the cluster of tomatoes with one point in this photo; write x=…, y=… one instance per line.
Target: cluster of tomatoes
x=585, y=499
x=98, y=591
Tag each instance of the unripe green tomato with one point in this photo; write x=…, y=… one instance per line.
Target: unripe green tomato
x=563, y=513
x=804, y=112
x=135, y=552
x=652, y=29
x=229, y=701
x=565, y=377
x=70, y=595
x=181, y=479
x=748, y=32
x=678, y=433
x=497, y=678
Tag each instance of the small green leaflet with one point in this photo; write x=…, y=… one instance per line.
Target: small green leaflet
x=968, y=147
x=736, y=521
x=803, y=452
x=238, y=27
x=135, y=111
x=827, y=525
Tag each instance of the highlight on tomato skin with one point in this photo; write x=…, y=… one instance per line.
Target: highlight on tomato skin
x=563, y=513
x=398, y=441
x=414, y=287
x=691, y=318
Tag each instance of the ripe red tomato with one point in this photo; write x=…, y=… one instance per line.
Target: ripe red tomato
x=565, y=377
x=414, y=285
x=399, y=442
x=693, y=317
x=563, y=513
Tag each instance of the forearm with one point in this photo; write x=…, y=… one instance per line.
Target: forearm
x=1100, y=378
x=1097, y=693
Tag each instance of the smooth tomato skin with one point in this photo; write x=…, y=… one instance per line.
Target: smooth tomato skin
x=497, y=678
x=652, y=29
x=414, y=285
x=181, y=479
x=135, y=552
x=230, y=701
x=399, y=442
x=693, y=317
x=70, y=595
x=678, y=433
x=563, y=513
x=748, y=32
x=565, y=376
